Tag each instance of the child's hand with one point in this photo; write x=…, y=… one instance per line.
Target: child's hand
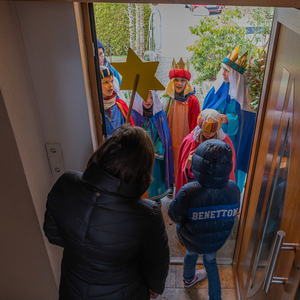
x=189, y=161
x=152, y=294
x=224, y=119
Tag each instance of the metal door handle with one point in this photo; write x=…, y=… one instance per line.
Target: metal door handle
x=277, y=246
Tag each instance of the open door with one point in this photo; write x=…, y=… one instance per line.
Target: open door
x=272, y=196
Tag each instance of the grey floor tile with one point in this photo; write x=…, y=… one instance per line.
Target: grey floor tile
x=183, y=294
x=170, y=282
x=229, y=294
x=227, y=277
x=175, y=289
x=194, y=294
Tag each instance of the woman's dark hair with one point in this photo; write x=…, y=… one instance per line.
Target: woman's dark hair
x=128, y=155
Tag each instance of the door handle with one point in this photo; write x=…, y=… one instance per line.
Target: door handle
x=277, y=246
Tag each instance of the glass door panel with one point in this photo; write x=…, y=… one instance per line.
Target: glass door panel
x=275, y=196
x=267, y=187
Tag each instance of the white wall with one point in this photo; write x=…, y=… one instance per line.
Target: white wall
x=51, y=42
x=176, y=36
x=44, y=101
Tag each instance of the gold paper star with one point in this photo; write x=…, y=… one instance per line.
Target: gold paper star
x=145, y=70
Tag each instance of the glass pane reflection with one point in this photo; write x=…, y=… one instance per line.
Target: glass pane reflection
x=277, y=192
x=277, y=112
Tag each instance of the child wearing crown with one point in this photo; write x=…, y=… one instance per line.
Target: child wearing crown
x=181, y=106
x=208, y=127
x=231, y=97
x=115, y=109
x=150, y=116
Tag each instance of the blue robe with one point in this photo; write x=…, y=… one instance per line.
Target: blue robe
x=163, y=169
x=240, y=127
x=113, y=118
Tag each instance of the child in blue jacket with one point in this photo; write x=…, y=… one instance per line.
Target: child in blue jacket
x=204, y=211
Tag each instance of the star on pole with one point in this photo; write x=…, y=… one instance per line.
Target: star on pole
x=146, y=71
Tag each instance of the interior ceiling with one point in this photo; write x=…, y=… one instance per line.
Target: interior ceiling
x=273, y=3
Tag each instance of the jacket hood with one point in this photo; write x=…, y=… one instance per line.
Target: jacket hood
x=104, y=181
x=212, y=163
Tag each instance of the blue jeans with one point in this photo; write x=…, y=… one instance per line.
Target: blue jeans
x=210, y=264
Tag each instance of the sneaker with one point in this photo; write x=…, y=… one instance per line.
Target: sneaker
x=199, y=275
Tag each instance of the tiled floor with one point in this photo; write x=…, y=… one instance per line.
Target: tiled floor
x=175, y=290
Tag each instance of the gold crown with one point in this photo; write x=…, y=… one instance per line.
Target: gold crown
x=233, y=55
x=242, y=61
x=234, y=61
x=180, y=65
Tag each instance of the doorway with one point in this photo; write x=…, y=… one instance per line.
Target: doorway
x=225, y=255
x=271, y=190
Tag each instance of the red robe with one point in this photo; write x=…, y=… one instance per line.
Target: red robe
x=193, y=110
x=182, y=119
x=124, y=109
x=188, y=145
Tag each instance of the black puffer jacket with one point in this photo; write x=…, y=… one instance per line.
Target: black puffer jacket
x=115, y=244
x=205, y=209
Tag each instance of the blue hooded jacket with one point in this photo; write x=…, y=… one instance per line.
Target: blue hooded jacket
x=108, y=64
x=205, y=209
